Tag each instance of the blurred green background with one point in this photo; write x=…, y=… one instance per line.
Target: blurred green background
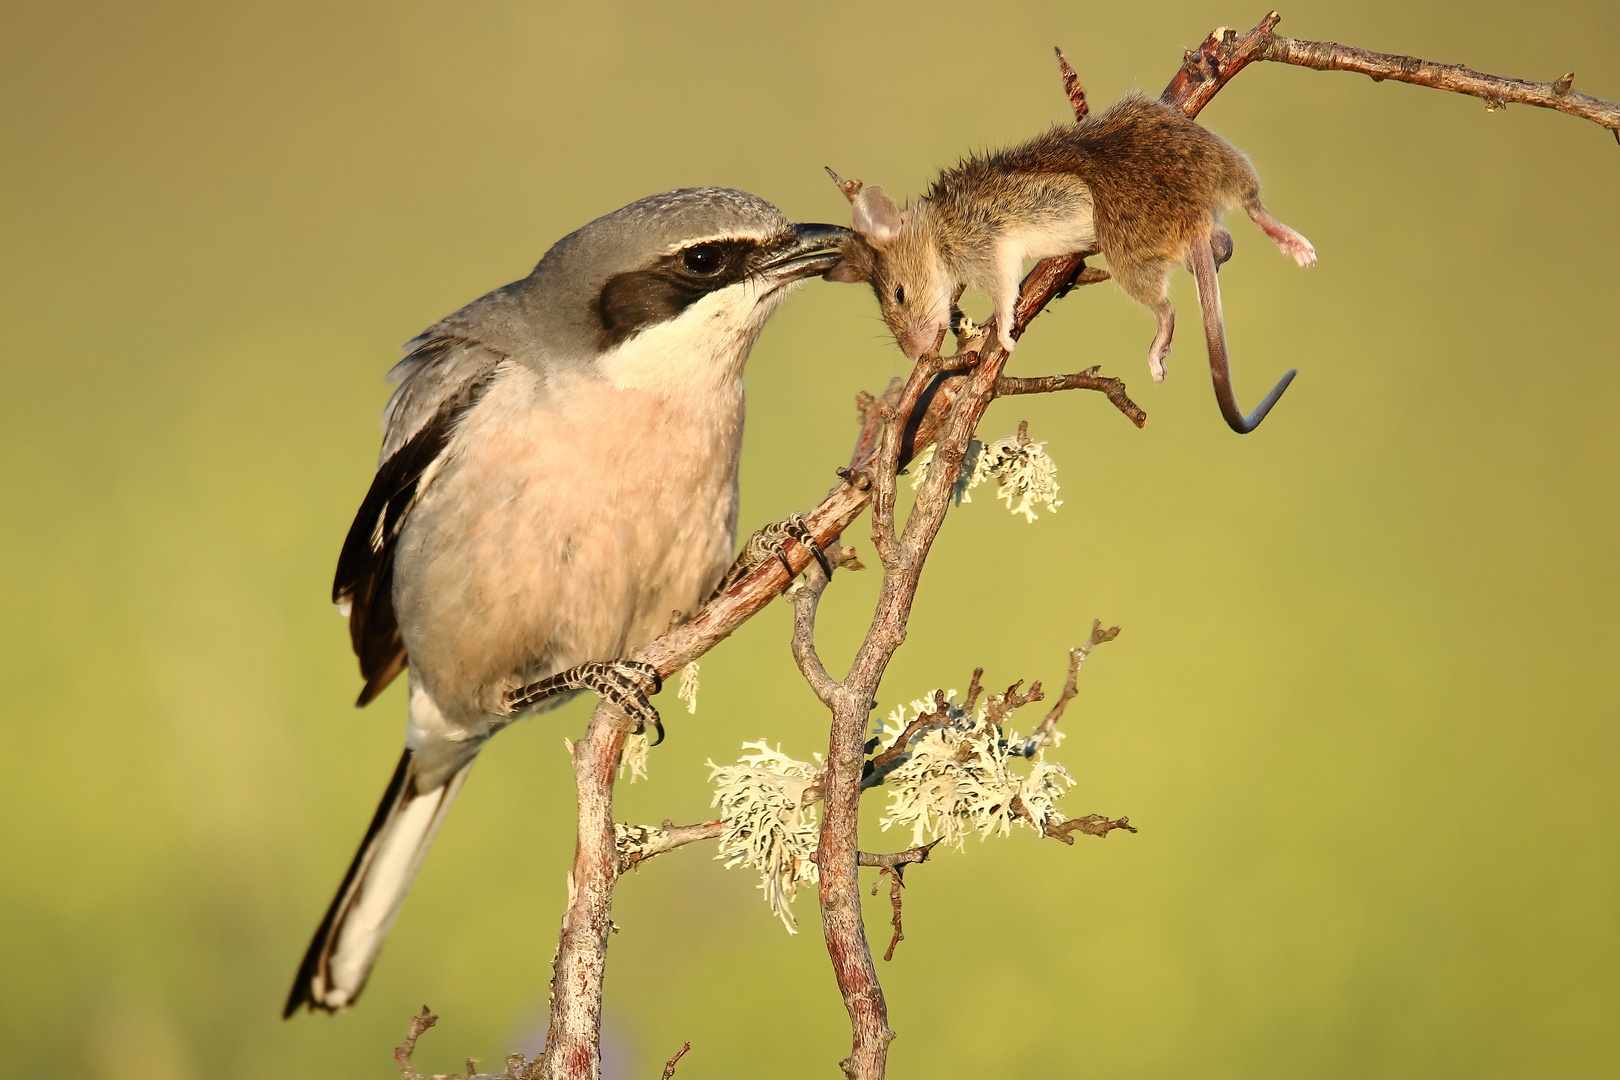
x=1363, y=709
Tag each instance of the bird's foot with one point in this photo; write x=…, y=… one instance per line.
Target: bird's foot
x=623, y=683
x=771, y=543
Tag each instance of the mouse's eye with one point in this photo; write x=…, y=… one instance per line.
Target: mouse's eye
x=899, y=294
x=703, y=259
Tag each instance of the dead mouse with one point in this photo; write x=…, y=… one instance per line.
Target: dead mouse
x=1142, y=183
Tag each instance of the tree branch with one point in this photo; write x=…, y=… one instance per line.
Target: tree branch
x=805, y=597
x=1077, y=656
x=638, y=843
x=1113, y=388
x=1224, y=53
x=669, y=1066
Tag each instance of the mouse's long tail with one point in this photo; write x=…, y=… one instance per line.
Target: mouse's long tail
x=1209, y=300
x=346, y=945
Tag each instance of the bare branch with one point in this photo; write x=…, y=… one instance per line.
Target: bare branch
x=1000, y=705
x=669, y=1066
x=1223, y=54
x=1077, y=657
x=1091, y=825
x=899, y=860
x=638, y=843
x=403, y=1052
x=805, y=597
x=895, y=865
x=896, y=883
x=1113, y=388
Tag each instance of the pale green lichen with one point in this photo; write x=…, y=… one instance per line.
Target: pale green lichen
x=634, y=756
x=957, y=780
x=771, y=825
x=1023, y=470
x=689, y=687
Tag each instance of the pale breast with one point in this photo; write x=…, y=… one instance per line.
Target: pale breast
x=572, y=518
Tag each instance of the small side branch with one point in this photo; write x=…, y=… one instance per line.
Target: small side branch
x=805, y=598
x=1112, y=388
x=669, y=1066
x=638, y=843
x=1077, y=657
x=894, y=865
x=403, y=1052
x=1092, y=825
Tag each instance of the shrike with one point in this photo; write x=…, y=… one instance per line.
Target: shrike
x=558, y=475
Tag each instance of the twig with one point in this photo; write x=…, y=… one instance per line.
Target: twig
x=642, y=842
x=403, y=1052
x=1113, y=388
x=1000, y=705
x=894, y=864
x=897, y=751
x=896, y=883
x=1091, y=825
x=669, y=1066
x=1224, y=54
x=1077, y=656
x=805, y=597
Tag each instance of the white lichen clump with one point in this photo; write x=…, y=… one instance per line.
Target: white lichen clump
x=689, y=687
x=958, y=781
x=771, y=825
x=634, y=756
x=1023, y=470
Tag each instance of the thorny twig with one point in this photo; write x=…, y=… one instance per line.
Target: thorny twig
x=517, y=1066
x=403, y=1052
x=895, y=865
x=1077, y=656
x=669, y=1066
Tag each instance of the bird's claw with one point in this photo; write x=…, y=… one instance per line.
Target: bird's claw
x=621, y=683
x=769, y=543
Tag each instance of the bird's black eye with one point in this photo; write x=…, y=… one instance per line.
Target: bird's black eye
x=899, y=294
x=702, y=259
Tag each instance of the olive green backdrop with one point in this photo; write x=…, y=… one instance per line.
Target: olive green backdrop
x=1363, y=709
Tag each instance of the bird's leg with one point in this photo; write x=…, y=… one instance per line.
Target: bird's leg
x=770, y=543
x=620, y=682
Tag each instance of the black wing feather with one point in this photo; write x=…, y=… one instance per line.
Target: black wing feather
x=365, y=570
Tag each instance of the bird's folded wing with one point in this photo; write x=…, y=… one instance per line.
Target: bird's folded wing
x=444, y=378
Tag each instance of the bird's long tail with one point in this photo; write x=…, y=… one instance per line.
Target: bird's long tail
x=339, y=959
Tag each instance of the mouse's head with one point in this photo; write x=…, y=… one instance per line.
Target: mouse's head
x=898, y=253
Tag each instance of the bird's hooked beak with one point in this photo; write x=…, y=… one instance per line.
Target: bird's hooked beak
x=809, y=250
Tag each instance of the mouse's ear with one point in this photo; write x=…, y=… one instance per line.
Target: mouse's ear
x=877, y=219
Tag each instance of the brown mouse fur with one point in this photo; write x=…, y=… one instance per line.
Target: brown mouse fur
x=1141, y=183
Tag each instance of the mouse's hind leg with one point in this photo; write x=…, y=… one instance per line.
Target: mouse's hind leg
x=1292, y=244
x=1145, y=283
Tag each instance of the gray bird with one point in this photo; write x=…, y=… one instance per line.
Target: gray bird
x=558, y=475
